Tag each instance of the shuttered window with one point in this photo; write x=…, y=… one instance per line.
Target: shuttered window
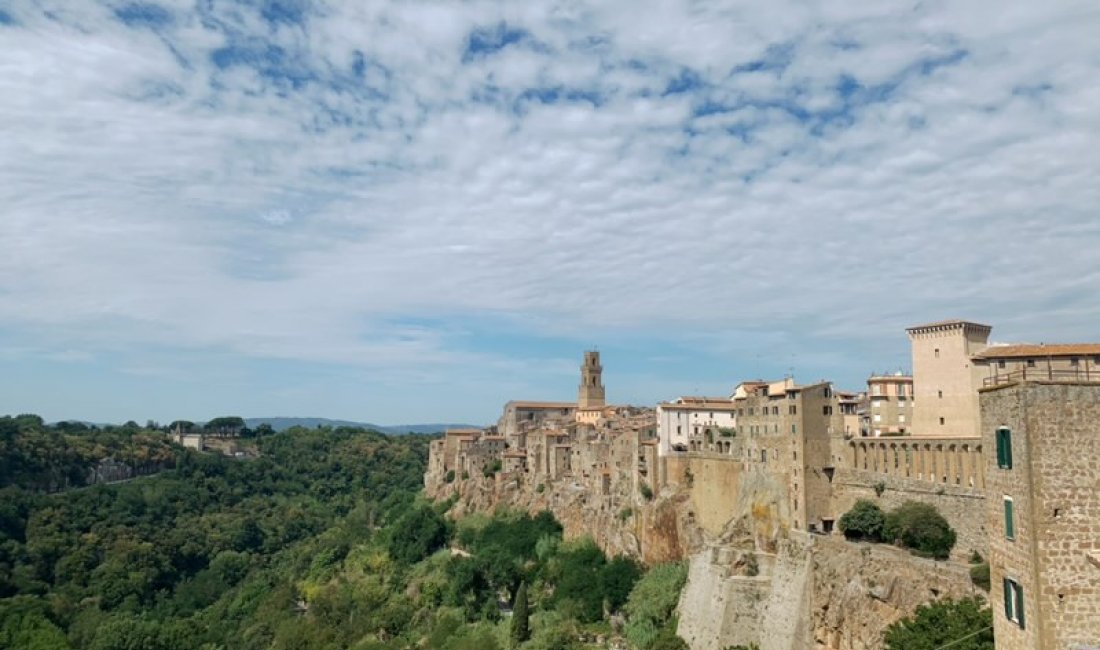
x=1014, y=602
x=1010, y=523
x=1004, y=448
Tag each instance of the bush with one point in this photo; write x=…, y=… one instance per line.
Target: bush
x=864, y=521
x=652, y=602
x=942, y=623
x=491, y=468
x=920, y=528
x=450, y=477
x=979, y=575
x=647, y=492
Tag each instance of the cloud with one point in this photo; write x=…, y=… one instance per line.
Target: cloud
x=587, y=170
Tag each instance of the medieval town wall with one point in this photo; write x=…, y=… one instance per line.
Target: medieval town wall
x=962, y=506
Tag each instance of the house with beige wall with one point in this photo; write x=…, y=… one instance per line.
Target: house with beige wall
x=889, y=405
x=694, y=423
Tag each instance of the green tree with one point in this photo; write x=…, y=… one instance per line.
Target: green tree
x=921, y=528
x=417, y=534
x=864, y=521
x=520, y=624
x=652, y=602
x=966, y=623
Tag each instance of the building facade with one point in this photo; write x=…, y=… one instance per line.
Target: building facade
x=695, y=423
x=889, y=405
x=945, y=379
x=1043, y=509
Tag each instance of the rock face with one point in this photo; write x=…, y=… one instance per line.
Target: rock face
x=752, y=578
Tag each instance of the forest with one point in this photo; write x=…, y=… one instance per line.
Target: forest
x=322, y=542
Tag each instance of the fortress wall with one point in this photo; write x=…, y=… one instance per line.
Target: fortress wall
x=714, y=488
x=858, y=589
x=962, y=506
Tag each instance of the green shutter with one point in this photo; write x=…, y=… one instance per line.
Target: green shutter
x=1020, y=605
x=1004, y=448
x=1008, y=597
x=1010, y=524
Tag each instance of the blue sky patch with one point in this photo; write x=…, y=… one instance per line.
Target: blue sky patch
x=144, y=15
x=286, y=12
x=486, y=41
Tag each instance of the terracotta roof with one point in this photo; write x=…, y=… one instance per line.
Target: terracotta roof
x=724, y=405
x=541, y=405
x=463, y=432
x=1028, y=350
x=946, y=323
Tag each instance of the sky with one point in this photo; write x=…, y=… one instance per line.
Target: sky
x=414, y=211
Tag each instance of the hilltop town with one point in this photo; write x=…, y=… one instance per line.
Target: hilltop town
x=1000, y=439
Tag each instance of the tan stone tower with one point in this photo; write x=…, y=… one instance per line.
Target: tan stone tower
x=945, y=378
x=591, y=393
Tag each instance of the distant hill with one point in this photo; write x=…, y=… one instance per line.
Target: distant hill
x=283, y=423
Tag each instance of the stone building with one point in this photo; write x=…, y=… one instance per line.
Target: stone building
x=999, y=364
x=590, y=393
x=696, y=424
x=1043, y=512
x=890, y=405
x=945, y=379
x=790, y=431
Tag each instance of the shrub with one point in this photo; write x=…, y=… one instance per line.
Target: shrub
x=880, y=487
x=965, y=624
x=450, y=477
x=979, y=575
x=491, y=468
x=626, y=513
x=647, y=492
x=540, y=488
x=976, y=557
x=864, y=521
x=920, y=528
x=652, y=601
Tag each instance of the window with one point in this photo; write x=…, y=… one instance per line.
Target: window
x=793, y=410
x=678, y=429
x=1014, y=602
x=763, y=455
x=794, y=428
x=1031, y=363
x=826, y=410
x=901, y=417
x=1001, y=363
x=1073, y=362
x=775, y=410
x=937, y=353
x=942, y=421
x=712, y=415
x=1010, y=524
x=1004, y=448
x=940, y=393
x=878, y=417
x=876, y=389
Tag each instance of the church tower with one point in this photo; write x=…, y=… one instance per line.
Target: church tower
x=591, y=393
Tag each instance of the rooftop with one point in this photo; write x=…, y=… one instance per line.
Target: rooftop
x=522, y=404
x=948, y=324
x=1042, y=350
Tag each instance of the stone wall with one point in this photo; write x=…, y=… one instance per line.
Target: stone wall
x=858, y=589
x=961, y=506
x=1054, y=484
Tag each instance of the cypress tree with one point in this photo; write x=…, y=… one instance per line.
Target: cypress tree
x=520, y=630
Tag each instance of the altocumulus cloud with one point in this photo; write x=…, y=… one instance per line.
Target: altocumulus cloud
x=321, y=174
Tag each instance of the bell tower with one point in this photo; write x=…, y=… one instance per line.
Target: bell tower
x=591, y=394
